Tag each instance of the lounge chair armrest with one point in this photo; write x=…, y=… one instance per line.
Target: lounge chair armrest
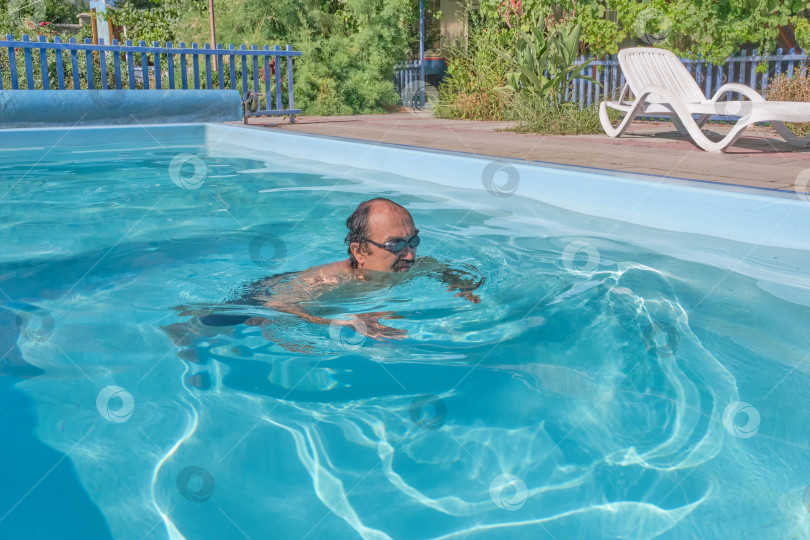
x=625, y=92
x=737, y=88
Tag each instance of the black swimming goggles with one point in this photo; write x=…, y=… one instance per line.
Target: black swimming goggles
x=395, y=246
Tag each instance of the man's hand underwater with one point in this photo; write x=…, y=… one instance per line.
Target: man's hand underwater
x=368, y=324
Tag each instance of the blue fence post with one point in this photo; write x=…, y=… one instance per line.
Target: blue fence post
x=277, y=60
x=615, y=83
x=255, y=62
x=43, y=65
x=158, y=69
x=244, y=72
x=220, y=67
x=709, y=79
x=183, y=67
x=267, y=75
x=290, y=103
x=170, y=64
x=29, y=68
x=12, y=64
x=88, y=55
x=232, y=67
x=208, y=81
x=730, y=73
x=102, y=68
x=791, y=54
x=130, y=65
x=60, y=68
x=117, y=64
x=777, y=71
x=753, y=82
x=195, y=62
x=74, y=66
x=144, y=66
x=763, y=84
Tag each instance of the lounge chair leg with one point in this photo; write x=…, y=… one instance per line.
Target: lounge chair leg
x=702, y=119
x=699, y=138
x=789, y=137
x=680, y=127
x=608, y=127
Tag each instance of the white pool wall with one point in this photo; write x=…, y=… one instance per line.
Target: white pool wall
x=753, y=216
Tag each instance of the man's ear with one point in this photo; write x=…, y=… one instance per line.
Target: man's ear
x=358, y=253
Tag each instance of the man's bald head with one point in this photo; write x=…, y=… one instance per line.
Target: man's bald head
x=366, y=215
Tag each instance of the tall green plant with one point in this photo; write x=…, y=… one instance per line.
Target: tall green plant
x=545, y=63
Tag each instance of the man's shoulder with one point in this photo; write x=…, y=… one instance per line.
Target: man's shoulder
x=337, y=267
x=327, y=272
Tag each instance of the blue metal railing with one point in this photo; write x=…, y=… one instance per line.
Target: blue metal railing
x=144, y=67
x=408, y=84
x=740, y=69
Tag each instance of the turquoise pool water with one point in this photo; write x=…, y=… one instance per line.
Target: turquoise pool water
x=615, y=381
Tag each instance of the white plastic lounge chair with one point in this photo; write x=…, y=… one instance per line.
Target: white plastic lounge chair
x=663, y=86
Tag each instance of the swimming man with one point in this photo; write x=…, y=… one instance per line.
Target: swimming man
x=382, y=240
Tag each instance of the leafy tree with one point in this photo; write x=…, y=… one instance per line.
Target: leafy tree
x=64, y=11
x=152, y=20
x=349, y=47
x=713, y=29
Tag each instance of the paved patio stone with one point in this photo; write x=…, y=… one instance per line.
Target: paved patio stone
x=759, y=159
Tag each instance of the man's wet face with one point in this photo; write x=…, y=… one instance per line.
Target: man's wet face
x=387, y=225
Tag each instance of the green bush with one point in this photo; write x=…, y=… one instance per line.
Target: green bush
x=482, y=83
x=64, y=11
x=554, y=118
x=349, y=47
x=795, y=88
x=476, y=74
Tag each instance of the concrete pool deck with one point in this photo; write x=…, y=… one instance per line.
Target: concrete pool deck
x=759, y=159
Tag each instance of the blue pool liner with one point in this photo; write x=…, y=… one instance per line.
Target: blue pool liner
x=57, y=108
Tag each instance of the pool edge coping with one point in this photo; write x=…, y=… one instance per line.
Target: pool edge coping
x=646, y=177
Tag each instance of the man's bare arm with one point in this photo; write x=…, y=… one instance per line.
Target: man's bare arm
x=292, y=297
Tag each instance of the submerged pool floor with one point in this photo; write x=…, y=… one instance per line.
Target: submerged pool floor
x=601, y=388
